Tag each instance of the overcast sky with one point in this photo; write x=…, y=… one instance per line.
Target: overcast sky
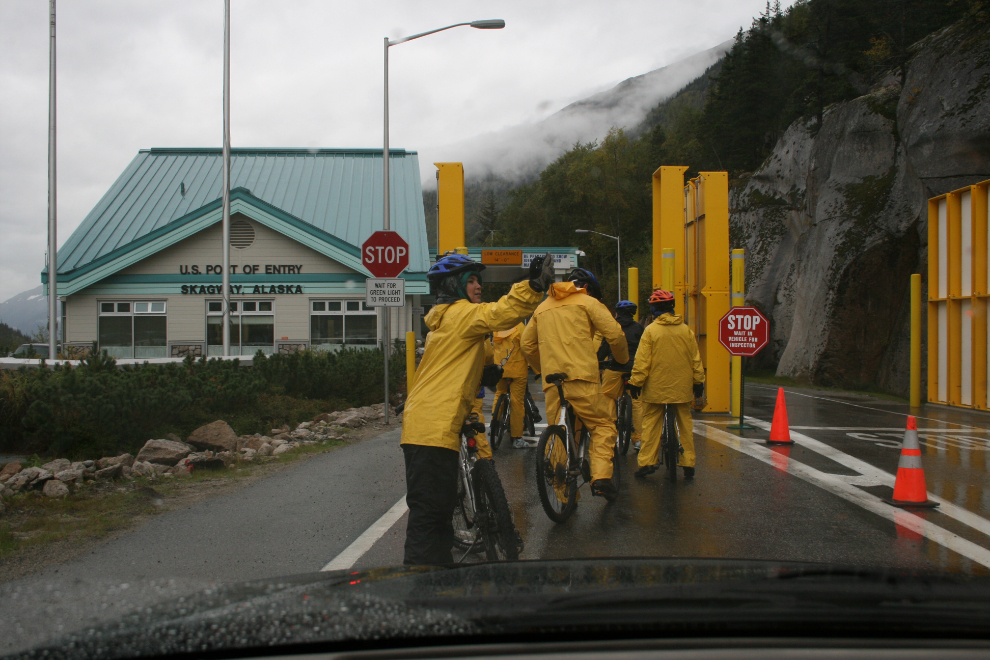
x=134, y=74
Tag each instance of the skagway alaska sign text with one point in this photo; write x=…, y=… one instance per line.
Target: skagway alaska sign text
x=241, y=289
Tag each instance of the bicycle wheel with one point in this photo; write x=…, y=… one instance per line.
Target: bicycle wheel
x=624, y=423
x=465, y=529
x=671, y=449
x=532, y=415
x=500, y=421
x=558, y=489
x=498, y=534
x=617, y=467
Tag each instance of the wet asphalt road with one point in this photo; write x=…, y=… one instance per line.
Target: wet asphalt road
x=739, y=506
x=818, y=500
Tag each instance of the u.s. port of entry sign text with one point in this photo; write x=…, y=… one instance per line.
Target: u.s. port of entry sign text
x=384, y=292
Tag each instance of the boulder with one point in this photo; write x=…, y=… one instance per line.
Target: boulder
x=110, y=461
x=284, y=437
x=326, y=418
x=55, y=488
x=247, y=452
x=164, y=452
x=70, y=476
x=78, y=465
x=57, y=465
x=266, y=449
x=217, y=436
x=89, y=464
x=255, y=442
x=206, y=460
x=281, y=449
x=142, y=469
x=173, y=437
x=126, y=471
x=304, y=425
x=110, y=473
x=351, y=421
x=227, y=457
x=9, y=470
x=41, y=477
x=301, y=434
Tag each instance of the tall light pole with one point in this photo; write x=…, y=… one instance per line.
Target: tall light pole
x=52, y=238
x=492, y=24
x=225, y=279
x=618, y=252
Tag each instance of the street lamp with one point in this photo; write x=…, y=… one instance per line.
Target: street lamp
x=618, y=252
x=491, y=24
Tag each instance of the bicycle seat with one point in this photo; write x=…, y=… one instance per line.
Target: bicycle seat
x=553, y=379
x=471, y=429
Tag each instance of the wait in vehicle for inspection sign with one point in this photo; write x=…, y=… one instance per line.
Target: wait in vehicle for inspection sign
x=385, y=292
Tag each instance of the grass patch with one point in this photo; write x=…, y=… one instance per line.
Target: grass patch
x=769, y=378
x=100, y=508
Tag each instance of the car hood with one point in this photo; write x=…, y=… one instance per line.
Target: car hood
x=594, y=598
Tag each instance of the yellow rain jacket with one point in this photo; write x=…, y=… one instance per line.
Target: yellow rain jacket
x=563, y=341
x=508, y=343
x=449, y=374
x=668, y=362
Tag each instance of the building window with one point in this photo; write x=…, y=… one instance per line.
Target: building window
x=133, y=329
x=252, y=327
x=334, y=324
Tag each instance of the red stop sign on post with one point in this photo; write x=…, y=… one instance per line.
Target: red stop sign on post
x=385, y=254
x=744, y=331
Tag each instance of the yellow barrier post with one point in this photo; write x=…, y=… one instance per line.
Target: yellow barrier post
x=410, y=360
x=713, y=302
x=916, y=341
x=738, y=300
x=634, y=290
x=668, y=269
x=668, y=229
x=450, y=206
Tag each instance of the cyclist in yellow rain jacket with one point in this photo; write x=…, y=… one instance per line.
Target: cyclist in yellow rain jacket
x=667, y=370
x=507, y=344
x=447, y=382
x=559, y=339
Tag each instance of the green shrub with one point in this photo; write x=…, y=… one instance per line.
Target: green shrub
x=99, y=409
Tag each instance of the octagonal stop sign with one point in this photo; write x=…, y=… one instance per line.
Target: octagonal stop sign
x=385, y=254
x=744, y=331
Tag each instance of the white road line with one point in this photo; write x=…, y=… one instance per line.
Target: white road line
x=869, y=470
x=363, y=543
x=880, y=428
x=854, y=405
x=840, y=487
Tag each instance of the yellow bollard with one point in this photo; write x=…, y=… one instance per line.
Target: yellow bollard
x=738, y=300
x=634, y=290
x=916, y=341
x=669, y=258
x=410, y=360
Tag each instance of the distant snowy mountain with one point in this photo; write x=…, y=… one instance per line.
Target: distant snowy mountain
x=522, y=151
x=25, y=311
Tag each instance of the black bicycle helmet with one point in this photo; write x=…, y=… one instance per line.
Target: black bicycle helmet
x=586, y=279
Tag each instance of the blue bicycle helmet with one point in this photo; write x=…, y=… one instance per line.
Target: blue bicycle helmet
x=449, y=276
x=626, y=307
x=586, y=279
x=453, y=263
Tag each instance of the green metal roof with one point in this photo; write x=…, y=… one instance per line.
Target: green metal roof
x=330, y=195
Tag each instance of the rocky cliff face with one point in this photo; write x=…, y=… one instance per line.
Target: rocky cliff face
x=835, y=221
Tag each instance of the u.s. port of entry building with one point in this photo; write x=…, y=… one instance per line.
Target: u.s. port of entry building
x=141, y=275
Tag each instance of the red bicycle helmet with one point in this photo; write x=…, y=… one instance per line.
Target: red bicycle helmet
x=661, y=296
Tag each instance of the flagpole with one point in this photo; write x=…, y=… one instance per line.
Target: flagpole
x=226, y=179
x=52, y=206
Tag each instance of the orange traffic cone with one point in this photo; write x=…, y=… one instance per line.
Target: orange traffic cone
x=780, y=432
x=909, y=487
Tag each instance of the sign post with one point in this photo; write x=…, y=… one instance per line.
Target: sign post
x=744, y=331
x=385, y=254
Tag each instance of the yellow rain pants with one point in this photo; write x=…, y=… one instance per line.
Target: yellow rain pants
x=649, y=450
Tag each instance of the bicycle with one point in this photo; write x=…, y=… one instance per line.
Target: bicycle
x=624, y=419
x=501, y=416
x=670, y=442
x=562, y=460
x=482, y=519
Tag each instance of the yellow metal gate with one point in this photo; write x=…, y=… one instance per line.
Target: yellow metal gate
x=958, y=287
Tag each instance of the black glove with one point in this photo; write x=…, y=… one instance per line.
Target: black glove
x=541, y=273
x=699, y=389
x=490, y=375
x=634, y=390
